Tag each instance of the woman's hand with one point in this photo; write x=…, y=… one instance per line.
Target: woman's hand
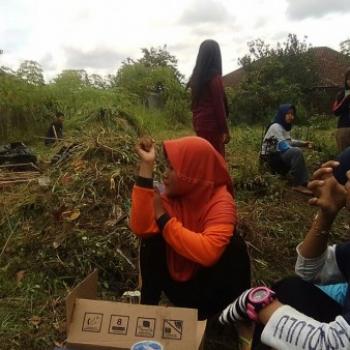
x=330, y=195
x=158, y=204
x=146, y=150
x=147, y=153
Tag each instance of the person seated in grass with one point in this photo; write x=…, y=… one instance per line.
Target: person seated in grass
x=295, y=314
x=190, y=249
x=55, y=131
x=281, y=152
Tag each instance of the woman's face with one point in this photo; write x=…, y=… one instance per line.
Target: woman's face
x=289, y=118
x=170, y=181
x=173, y=187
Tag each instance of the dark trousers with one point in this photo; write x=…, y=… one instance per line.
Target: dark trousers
x=276, y=164
x=294, y=158
x=304, y=297
x=209, y=291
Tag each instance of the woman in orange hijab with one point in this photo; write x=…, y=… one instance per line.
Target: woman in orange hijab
x=189, y=248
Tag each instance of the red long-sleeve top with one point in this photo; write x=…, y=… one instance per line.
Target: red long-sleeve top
x=209, y=113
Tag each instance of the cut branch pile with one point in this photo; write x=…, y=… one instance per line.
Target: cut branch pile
x=54, y=235
x=13, y=177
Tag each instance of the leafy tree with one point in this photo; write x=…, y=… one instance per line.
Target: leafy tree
x=31, y=72
x=72, y=79
x=96, y=81
x=22, y=106
x=273, y=76
x=136, y=78
x=155, y=73
x=345, y=47
x=157, y=57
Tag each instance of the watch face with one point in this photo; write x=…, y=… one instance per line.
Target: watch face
x=259, y=295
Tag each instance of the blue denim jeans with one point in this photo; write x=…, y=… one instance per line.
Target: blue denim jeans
x=294, y=158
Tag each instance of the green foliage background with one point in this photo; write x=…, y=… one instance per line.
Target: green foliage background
x=274, y=76
x=27, y=104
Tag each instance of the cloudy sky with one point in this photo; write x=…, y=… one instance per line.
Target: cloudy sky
x=97, y=35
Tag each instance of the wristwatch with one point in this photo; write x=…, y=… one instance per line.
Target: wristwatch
x=257, y=299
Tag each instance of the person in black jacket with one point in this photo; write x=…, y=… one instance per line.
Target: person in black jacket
x=55, y=131
x=341, y=108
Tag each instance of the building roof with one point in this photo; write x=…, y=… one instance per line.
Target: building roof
x=331, y=66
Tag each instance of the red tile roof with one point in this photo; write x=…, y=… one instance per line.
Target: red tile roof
x=331, y=66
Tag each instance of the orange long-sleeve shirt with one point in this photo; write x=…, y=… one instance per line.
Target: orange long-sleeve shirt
x=203, y=248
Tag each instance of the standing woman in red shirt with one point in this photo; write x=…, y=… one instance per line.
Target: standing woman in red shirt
x=209, y=106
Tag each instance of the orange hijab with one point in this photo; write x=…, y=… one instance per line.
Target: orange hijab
x=202, y=172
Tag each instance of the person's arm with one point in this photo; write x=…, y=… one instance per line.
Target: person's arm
x=142, y=217
x=142, y=220
x=217, y=93
x=54, y=132
x=341, y=103
x=316, y=260
x=204, y=247
x=316, y=240
x=323, y=269
x=287, y=328
x=301, y=143
x=329, y=197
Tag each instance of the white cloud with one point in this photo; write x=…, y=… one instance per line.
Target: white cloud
x=205, y=11
x=97, y=35
x=96, y=58
x=47, y=62
x=300, y=9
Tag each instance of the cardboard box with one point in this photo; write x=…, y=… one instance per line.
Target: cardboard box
x=98, y=324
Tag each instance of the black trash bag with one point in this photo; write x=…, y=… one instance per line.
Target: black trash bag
x=16, y=153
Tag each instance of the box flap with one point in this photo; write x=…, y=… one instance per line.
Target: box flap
x=201, y=325
x=86, y=289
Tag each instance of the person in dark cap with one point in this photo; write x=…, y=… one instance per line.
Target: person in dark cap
x=341, y=108
x=283, y=153
x=55, y=131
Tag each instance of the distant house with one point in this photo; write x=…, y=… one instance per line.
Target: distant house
x=330, y=66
